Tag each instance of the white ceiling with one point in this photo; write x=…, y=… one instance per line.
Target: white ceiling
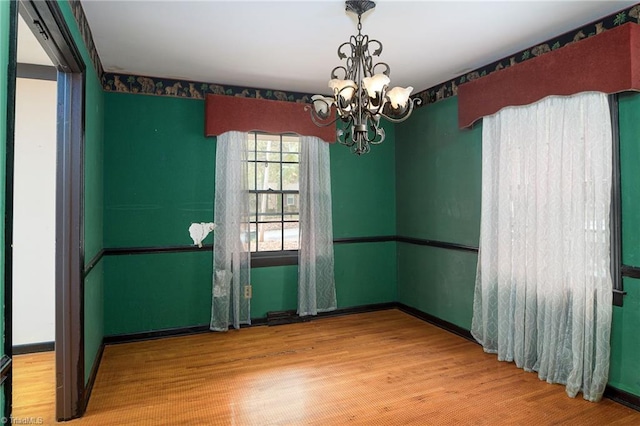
x=292, y=45
x=29, y=49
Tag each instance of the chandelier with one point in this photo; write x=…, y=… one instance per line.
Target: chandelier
x=361, y=93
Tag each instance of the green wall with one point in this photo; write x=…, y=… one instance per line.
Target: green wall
x=439, y=194
x=156, y=291
x=159, y=177
x=93, y=208
x=439, y=176
x=93, y=317
x=624, y=372
x=365, y=274
x=629, y=118
x=363, y=189
x=5, y=15
x=274, y=289
x=438, y=198
x=625, y=353
x=159, y=170
x=363, y=192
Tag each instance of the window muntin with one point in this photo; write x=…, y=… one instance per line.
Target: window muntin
x=273, y=172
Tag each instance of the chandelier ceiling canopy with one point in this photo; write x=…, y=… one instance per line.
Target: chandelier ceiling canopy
x=361, y=93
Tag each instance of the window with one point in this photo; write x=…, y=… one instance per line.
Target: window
x=274, y=170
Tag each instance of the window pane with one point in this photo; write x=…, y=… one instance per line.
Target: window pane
x=291, y=236
x=254, y=239
x=290, y=157
x=290, y=177
x=245, y=236
x=290, y=144
x=251, y=147
x=253, y=208
x=268, y=175
x=251, y=175
x=268, y=147
x=269, y=207
x=291, y=203
x=270, y=236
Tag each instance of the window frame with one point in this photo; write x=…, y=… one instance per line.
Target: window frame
x=615, y=216
x=272, y=257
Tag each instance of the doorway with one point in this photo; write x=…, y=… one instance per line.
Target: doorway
x=46, y=22
x=33, y=266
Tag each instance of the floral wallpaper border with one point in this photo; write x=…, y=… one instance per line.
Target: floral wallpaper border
x=127, y=83
x=450, y=88
x=87, y=37
x=157, y=86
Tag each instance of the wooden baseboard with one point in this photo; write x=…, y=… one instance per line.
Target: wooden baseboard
x=621, y=397
x=32, y=348
x=358, y=309
x=156, y=334
x=290, y=317
x=182, y=331
x=446, y=325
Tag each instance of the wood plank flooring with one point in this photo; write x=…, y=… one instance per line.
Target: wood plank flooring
x=381, y=368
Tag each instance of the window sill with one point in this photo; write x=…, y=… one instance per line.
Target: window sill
x=274, y=258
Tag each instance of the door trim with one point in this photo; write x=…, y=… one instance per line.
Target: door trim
x=69, y=251
x=5, y=368
x=6, y=361
x=47, y=22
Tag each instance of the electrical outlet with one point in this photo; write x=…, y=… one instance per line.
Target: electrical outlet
x=247, y=291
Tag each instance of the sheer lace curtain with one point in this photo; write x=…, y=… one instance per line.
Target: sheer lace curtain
x=543, y=288
x=316, y=284
x=231, y=256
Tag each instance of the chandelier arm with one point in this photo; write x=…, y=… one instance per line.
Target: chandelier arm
x=321, y=124
x=378, y=51
x=349, y=43
x=350, y=59
x=347, y=142
x=345, y=138
x=361, y=145
x=381, y=98
x=361, y=149
x=411, y=102
x=367, y=59
x=387, y=68
x=317, y=120
x=379, y=133
x=338, y=98
x=345, y=112
x=339, y=67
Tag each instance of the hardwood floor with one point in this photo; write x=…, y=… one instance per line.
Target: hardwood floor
x=34, y=386
x=376, y=368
